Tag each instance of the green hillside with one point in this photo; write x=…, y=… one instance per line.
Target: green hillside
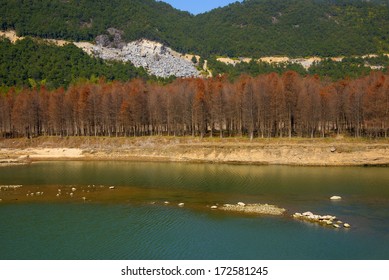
x=252, y=28
x=30, y=63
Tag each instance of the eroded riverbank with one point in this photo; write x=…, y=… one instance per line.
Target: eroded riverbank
x=302, y=152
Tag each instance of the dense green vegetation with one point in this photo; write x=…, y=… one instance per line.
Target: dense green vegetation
x=257, y=28
x=252, y=28
x=252, y=68
x=28, y=62
x=31, y=62
x=349, y=67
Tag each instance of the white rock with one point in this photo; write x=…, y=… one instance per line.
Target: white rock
x=74, y=189
x=335, y=197
x=156, y=58
x=327, y=217
x=166, y=202
x=346, y=225
x=336, y=226
x=241, y=204
x=71, y=194
x=214, y=207
x=112, y=187
x=181, y=204
x=307, y=214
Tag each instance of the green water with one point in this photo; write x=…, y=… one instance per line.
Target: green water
x=141, y=231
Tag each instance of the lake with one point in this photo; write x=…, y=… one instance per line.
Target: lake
x=140, y=226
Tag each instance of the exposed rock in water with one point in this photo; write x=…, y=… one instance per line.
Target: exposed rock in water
x=326, y=220
x=263, y=209
x=336, y=197
x=9, y=187
x=156, y=58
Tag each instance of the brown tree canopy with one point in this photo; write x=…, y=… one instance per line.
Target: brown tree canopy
x=265, y=106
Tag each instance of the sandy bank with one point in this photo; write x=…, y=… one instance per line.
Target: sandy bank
x=328, y=152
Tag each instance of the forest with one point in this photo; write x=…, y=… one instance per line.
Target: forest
x=252, y=28
x=268, y=105
x=30, y=62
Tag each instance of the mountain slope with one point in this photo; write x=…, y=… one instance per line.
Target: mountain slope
x=252, y=28
x=296, y=28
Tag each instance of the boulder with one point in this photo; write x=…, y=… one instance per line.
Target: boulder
x=103, y=40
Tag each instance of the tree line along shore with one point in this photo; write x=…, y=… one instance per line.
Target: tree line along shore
x=265, y=106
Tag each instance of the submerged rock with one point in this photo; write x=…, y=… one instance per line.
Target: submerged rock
x=263, y=209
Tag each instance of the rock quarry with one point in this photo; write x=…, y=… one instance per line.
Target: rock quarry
x=155, y=57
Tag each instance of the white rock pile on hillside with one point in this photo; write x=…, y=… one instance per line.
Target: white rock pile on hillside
x=156, y=58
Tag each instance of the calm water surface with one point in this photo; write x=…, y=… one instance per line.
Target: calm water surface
x=141, y=231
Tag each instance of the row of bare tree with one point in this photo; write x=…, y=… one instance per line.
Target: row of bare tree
x=264, y=106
